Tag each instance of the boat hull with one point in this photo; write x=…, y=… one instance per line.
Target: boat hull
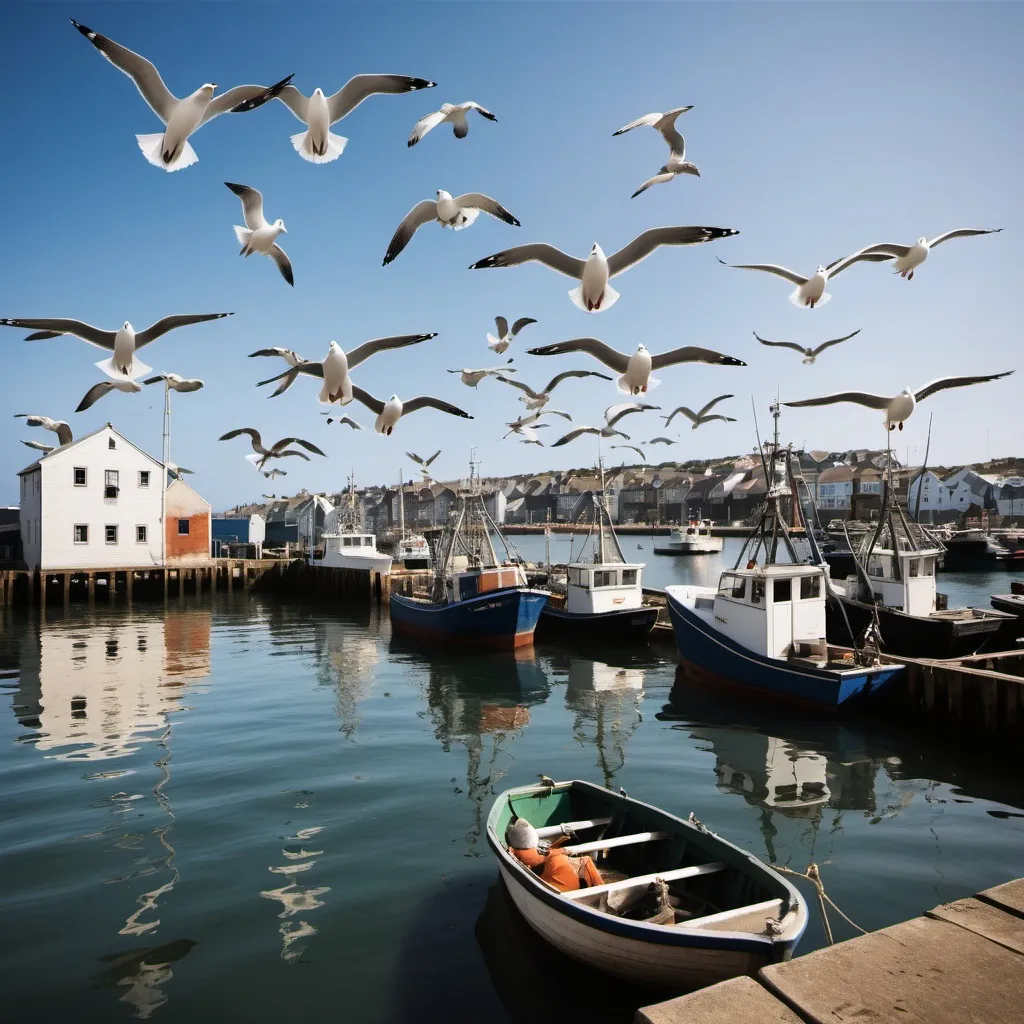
x=696, y=548
x=620, y=624
x=496, y=619
x=376, y=562
x=1012, y=603
x=711, y=656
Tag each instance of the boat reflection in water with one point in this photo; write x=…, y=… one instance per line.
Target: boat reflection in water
x=348, y=658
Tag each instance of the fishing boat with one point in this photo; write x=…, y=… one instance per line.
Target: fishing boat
x=601, y=596
x=693, y=539
x=345, y=544
x=475, y=600
x=1012, y=604
x=764, y=625
x=681, y=906
x=411, y=549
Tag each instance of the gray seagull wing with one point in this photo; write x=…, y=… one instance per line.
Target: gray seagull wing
x=368, y=348
x=955, y=382
x=857, y=397
x=592, y=346
x=361, y=87
x=48, y=327
x=169, y=323
x=693, y=354
x=422, y=213
x=427, y=402
x=645, y=243
x=541, y=252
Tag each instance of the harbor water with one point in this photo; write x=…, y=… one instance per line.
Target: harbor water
x=237, y=809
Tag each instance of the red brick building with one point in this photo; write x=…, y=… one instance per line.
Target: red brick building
x=187, y=525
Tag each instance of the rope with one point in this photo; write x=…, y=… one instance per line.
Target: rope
x=813, y=875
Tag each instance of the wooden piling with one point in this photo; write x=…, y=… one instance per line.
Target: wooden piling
x=129, y=577
x=65, y=580
x=111, y=585
x=90, y=586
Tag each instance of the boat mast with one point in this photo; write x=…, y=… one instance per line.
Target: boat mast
x=602, y=512
x=401, y=506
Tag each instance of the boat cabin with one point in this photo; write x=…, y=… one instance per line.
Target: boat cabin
x=603, y=587
x=904, y=580
x=774, y=611
x=463, y=585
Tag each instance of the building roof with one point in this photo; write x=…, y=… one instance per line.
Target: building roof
x=61, y=449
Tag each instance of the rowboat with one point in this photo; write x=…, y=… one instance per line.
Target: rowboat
x=681, y=908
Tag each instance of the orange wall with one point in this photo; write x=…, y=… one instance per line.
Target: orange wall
x=196, y=546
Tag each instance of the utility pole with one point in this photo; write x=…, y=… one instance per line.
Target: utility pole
x=163, y=474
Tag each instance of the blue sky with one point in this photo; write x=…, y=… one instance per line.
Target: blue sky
x=817, y=128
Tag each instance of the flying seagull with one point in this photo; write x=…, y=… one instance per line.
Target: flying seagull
x=810, y=354
x=594, y=293
x=538, y=399
x=605, y=431
x=518, y=425
x=898, y=409
x=632, y=447
x=59, y=427
x=391, y=411
x=677, y=164
x=910, y=257
x=636, y=369
x=528, y=435
x=318, y=112
x=810, y=291
x=697, y=418
x=505, y=337
x=170, y=149
x=270, y=474
x=290, y=357
x=614, y=413
x=123, y=343
x=450, y=113
x=456, y=212
x=334, y=369
x=278, y=450
x=175, y=382
x=40, y=447
x=127, y=384
x=473, y=377
x=425, y=463
x=342, y=421
x=660, y=440
x=258, y=235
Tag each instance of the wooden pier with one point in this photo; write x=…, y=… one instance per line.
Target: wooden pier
x=962, y=961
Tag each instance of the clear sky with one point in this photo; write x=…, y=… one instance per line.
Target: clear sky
x=818, y=128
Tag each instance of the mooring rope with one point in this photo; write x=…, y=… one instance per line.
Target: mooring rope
x=813, y=875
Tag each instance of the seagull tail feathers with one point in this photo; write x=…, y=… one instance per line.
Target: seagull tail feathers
x=152, y=150
x=243, y=235
x=611, y=296
x=797, y=300
x=138, y=369
x=304, y=147
x=497, y=345
x=467, y=218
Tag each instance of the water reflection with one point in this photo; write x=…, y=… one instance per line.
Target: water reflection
x=348, y=658
x=142, y=972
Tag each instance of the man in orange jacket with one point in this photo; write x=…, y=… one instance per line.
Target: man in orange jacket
x=555, y=866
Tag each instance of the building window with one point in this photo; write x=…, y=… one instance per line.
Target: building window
x=110, y=483
x=140, y=535
x=111, y=443
x=182, y=527
x=110, y=533
x=81, y=533
x=80, y=476
x=143, y=477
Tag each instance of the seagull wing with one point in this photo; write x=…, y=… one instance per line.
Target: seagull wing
x=291, y=375
x=375, y=405
x=280, y=257
x=667, y=126
x=284, y=353
x=252, y=205
x=685, y=411
x=566, y=374
x=522, y=322
x=422, y=213
x=780, y=344
x=857, y=397
x=145, y=76
x=710, y=405
x=717, y=416
x=660, y=440
x=424, y=125
x=32, y=420
x=415, y=458
x=478, y=201
x=427, y=402
x=573, y=434
x=283, y=455
x=598, y=349
x=644, y=244
x=768, y=268
x=892, y=248
x=835, y=341
x=501, y=325
x=169, y=323
x=838, y=266
x=648, y=120
x=242, y=98
x=295, y=102
x=519, y=384
x=94, y=394
x=253, y=434
x=432, y=457
x=359, y=88
x=693, y=354
x=368, y=348
x=961, y=233
x=539, y=251
x=554, y=412
x=308, y=445
x=614, y=413
x=955, y=382
x=47, y=327
x=632, y=448
x=63, y=431
x=39, y=446
x=482, y=111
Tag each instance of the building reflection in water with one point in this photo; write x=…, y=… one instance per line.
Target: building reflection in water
x=99, y=689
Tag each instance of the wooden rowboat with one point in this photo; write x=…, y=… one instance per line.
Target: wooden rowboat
x=726, y=913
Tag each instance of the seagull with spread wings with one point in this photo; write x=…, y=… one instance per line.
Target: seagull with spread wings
x=697, y=418
x=632, y=447
x=126, y=384
x=450, y=113
x=175, y=382
x=594, y=293
x=318, y=112
x=258, y=235
x=270, y=474
x=123, y=343
x=636, y=369
x=528, y=435
x=291, y=357
x=660, y=440
x=342, y=421
x=505, y=337
x=473, y=377
x=278, y=450
x=898, y=409
x=909, y=257
x=538, y=399
x=665, y=125
x=391, y=411
x=334, y=369
x=809, y=354
x=455, y=212
x=59, y=427
x=612, y=415
x=517, y=426
x=421, y=462
x=170, y=149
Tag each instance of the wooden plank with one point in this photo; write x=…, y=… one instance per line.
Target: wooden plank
x=769, y=908
x=739, y=1001
x=675, y=875
x=611, y=844
x=556, y=830
x=984, y=919
x=1009, y=896
x=920, y=972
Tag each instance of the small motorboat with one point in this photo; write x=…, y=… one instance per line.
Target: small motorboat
x=1012, y=603
x=683, y=907
x=694, y=539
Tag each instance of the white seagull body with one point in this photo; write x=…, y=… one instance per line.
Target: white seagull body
x=910, y=257
x=505, y=337
x=898, y=409
x=59, y=427
x=391, y=411
x=450, y=113
x=538, y=399
x=677, y=164
x=697, y=418
x=123, y=342
x=126, y=384
x=594, y=292
x=809, y=354
x=170, y=149
x=473, y=377
x=318, y=112
x=258, y=235
x=176, y=382
x=455, y=212
x=635, y=369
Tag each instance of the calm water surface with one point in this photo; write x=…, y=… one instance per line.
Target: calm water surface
x=241, y=810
